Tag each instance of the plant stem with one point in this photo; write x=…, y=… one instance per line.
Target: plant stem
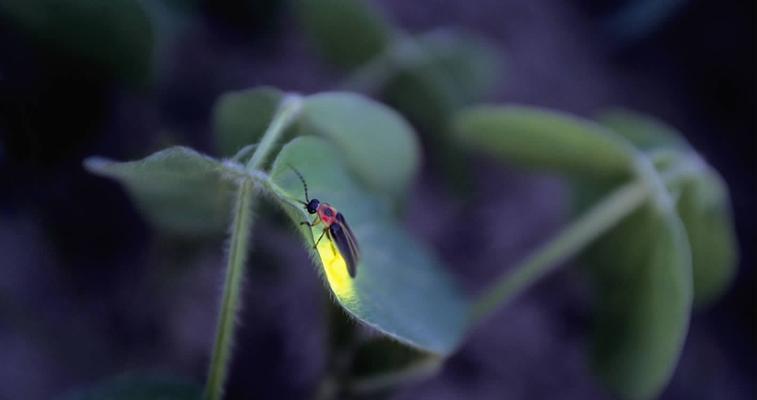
x=232, y=290
x=240, y=232
x=595, y=222
x=287, y=113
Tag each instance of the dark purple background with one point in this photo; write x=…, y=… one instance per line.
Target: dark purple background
x=88, y=290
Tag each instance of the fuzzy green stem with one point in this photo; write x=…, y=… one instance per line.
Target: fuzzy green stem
x=232, y=290
x=240, y=231
x=287, y=113
x=594, y=223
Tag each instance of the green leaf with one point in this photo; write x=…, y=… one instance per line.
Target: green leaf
x=545, y=140
x=180, y=190
x=439, y=72
x=383, y=363
x=394, y=271
x=240, y=118
x=704, y=207
x=376, y=143
x=114, y=36
x=140, y=387
x=642, y=272
x=347, y=33
x=643, y=131
x=703, y=203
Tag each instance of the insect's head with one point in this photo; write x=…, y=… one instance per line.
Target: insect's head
x=312, y=206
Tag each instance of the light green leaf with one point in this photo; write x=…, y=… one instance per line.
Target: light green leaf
x=178, y=189
x=140, y=387
x=376, y=143
x=241, y=117
x=400, y=288
x=643, y=131
x=642, y=272
x=347, y=33
x=705, y=210
x=114, y=36
x=545, y=140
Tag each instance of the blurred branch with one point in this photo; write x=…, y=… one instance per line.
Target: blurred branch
x=568, y=243
x=593, y=224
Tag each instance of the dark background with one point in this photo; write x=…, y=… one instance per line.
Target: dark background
x=89, y=290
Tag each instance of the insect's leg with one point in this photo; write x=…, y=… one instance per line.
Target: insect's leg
x=311, y=224
x=319, y=238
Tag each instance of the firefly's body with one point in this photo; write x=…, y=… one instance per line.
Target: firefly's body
x=335, y=227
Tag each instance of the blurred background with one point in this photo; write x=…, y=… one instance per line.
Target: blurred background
x=88, y=289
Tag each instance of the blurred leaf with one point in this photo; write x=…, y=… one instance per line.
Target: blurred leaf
x=643, y=131
x=375, y=142
x=438, y=73
x=394, y=272
x=705, y=210
x=703, y=203
x=240, y=118
x=642, y=272
x=468, y=61
x=179, y=190
x=347, y=33
x=384, y=363
x=114, y=36
x=140, y=387
x=542, y=139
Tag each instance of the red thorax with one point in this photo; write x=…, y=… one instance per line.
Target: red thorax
x=327, y=214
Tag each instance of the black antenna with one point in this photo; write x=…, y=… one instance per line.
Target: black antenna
x=304, y=185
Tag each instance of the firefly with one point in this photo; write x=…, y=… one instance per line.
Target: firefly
x=335, y=228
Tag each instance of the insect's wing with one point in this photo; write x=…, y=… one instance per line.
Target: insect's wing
x=345, y=241
x=350, y=235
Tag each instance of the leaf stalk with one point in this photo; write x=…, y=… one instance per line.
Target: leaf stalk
x=595, y=222
x=241, y=226
x=287, y=113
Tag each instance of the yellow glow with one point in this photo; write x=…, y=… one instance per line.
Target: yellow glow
x=336, y=269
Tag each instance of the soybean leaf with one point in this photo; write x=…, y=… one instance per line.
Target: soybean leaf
x=180, y=190
x=642, y=130
x=114, y=36
x=703, y=204
x=241, y=117
x=140, y=387
x=400, y=288
x=346, y=32
x=546, y=140
x=375, y=142
x=705, y=210
x=439, y=72
x=642, y=274
x=383, y=363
